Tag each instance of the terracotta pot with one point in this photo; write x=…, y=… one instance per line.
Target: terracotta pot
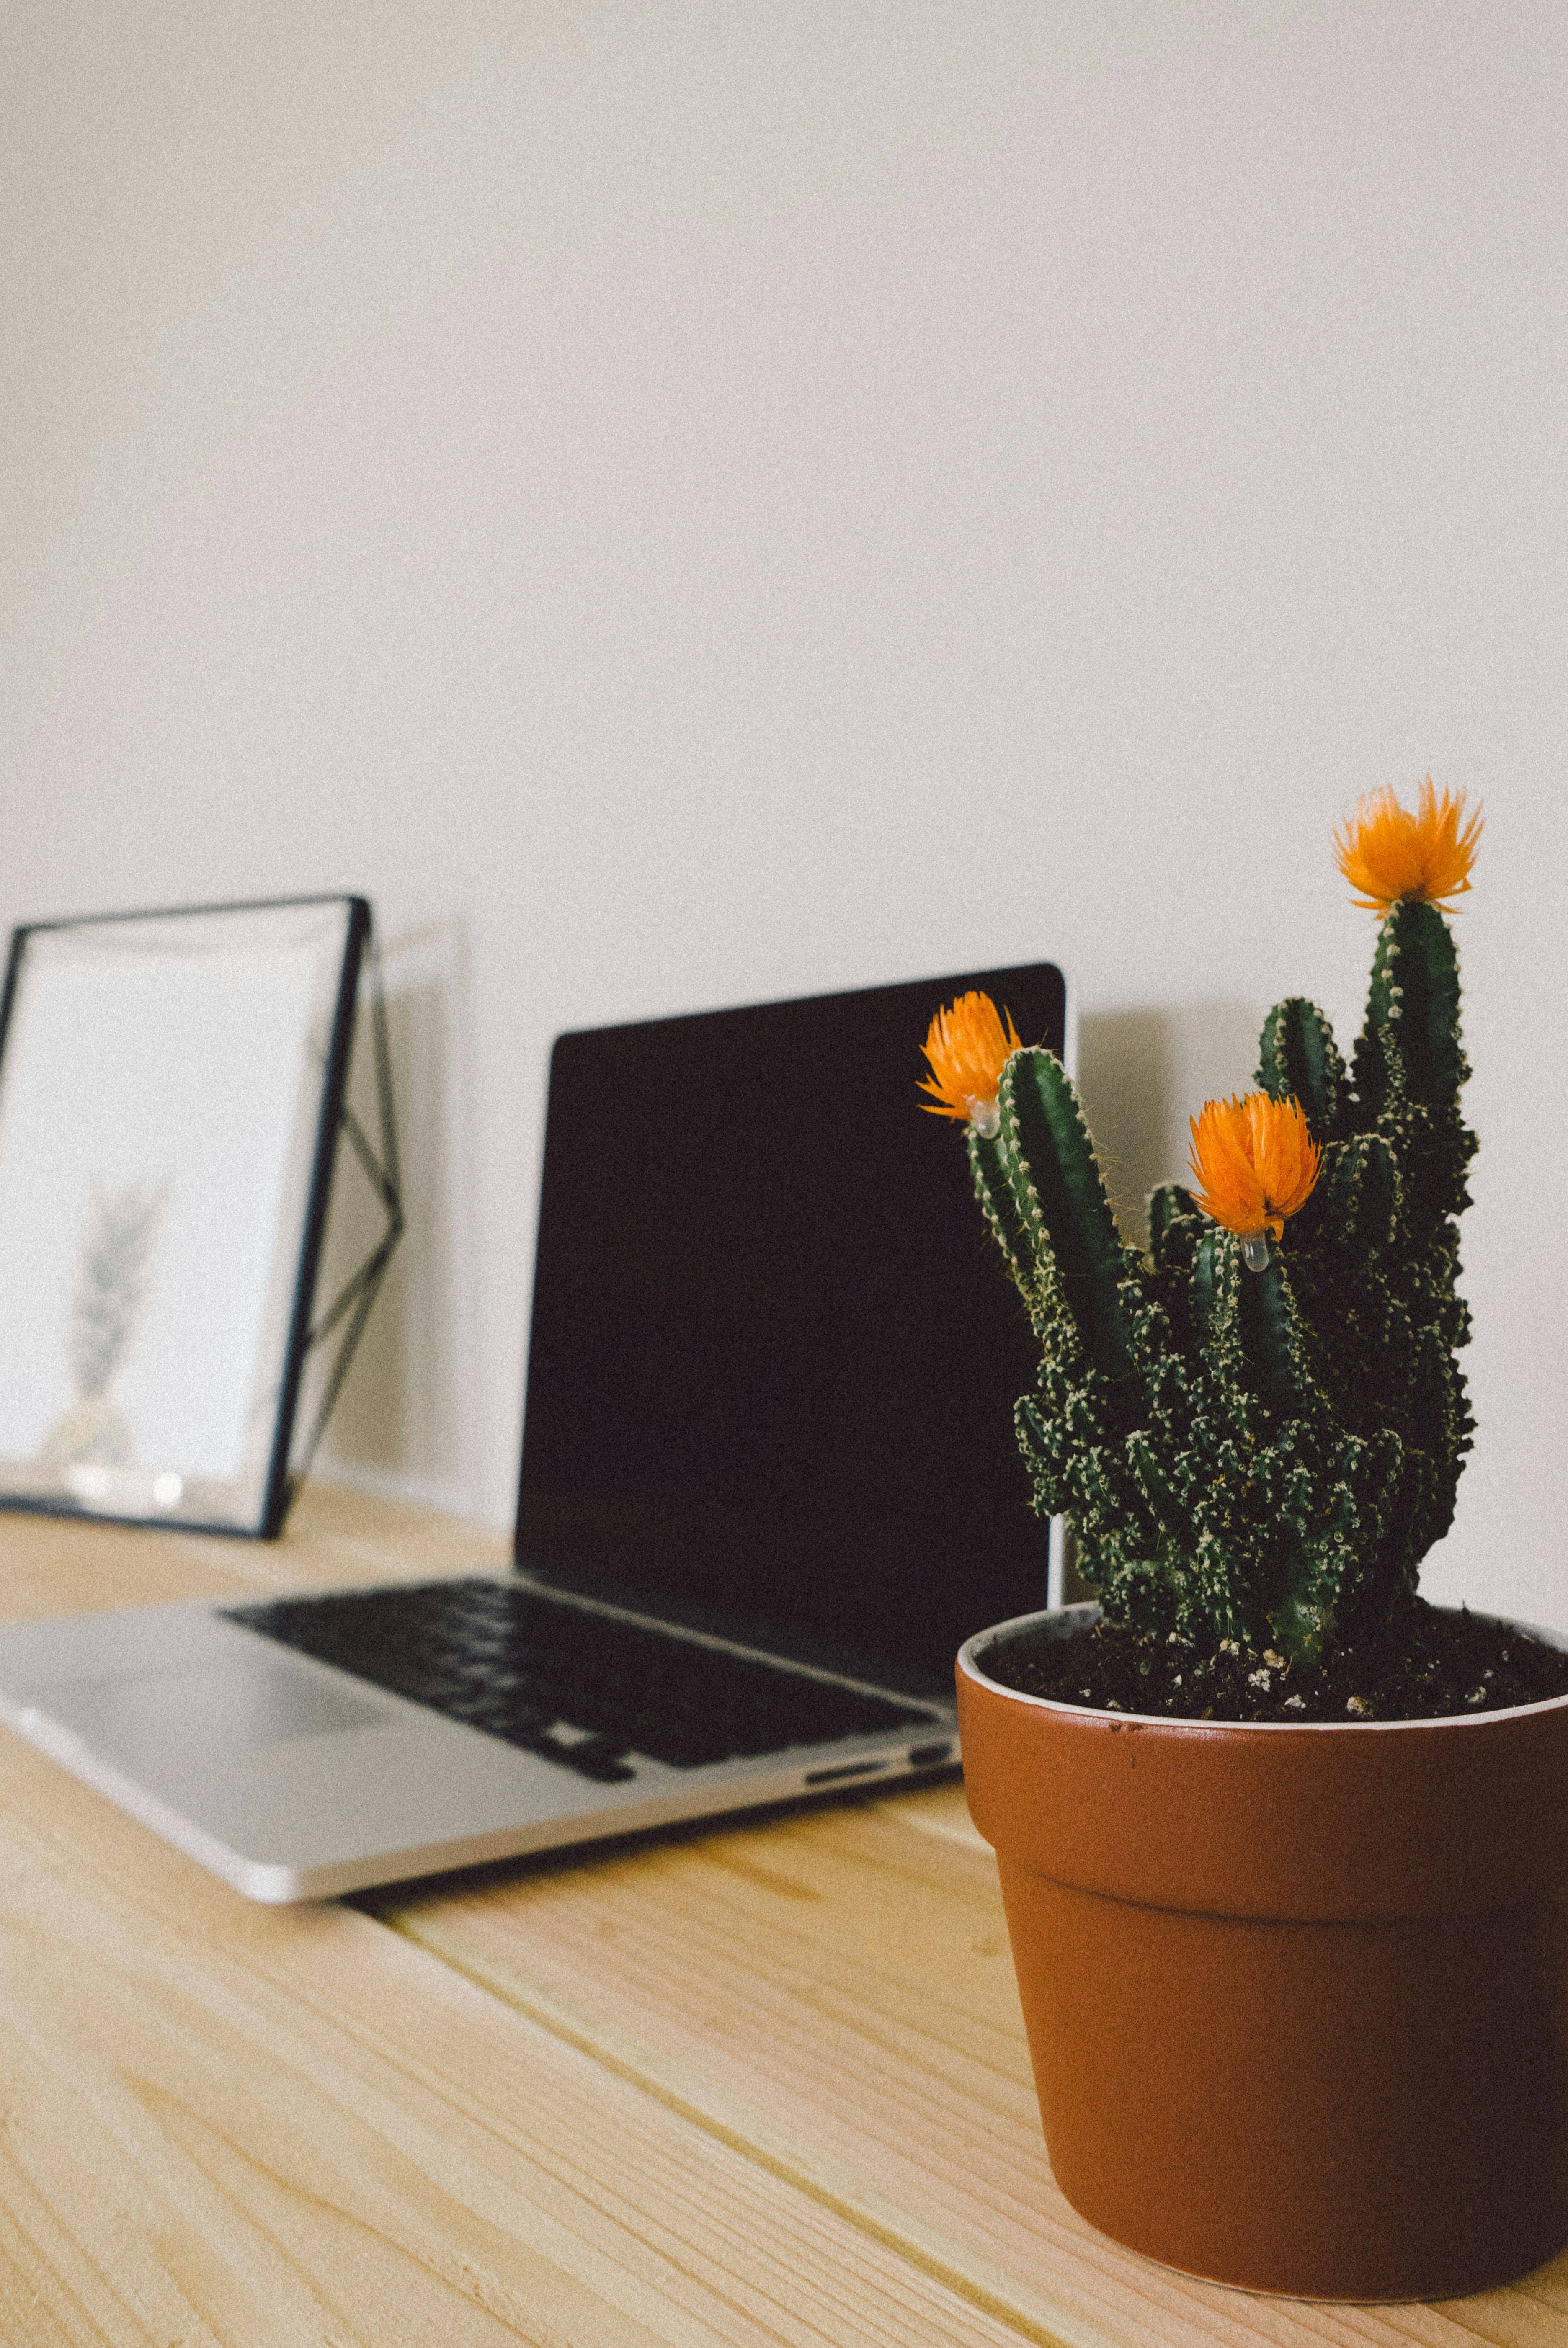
x=1296, y=1997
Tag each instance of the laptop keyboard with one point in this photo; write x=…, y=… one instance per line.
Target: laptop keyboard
x=584, y=1689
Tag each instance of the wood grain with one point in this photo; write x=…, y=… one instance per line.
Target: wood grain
x=760, y=2081
x=226, y=2123
x=834, y=1992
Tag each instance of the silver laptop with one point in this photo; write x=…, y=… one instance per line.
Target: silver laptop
x=769, y=1486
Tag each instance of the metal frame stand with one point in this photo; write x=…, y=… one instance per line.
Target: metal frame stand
x=354, y=1300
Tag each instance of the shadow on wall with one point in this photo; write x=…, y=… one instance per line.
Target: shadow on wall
x=1143, y=1074
x=405, y=1418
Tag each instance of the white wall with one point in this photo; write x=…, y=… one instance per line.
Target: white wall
x=686, y=502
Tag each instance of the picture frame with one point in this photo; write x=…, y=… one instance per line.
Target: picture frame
x=171, y=1094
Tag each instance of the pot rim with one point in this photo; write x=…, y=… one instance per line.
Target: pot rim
x=1087, y=1610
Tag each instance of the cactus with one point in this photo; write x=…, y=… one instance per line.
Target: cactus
x=1260, y=1446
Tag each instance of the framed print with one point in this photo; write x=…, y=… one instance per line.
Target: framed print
x=171, y=1094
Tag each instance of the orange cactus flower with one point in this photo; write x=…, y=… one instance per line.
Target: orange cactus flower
x=1387, y=854
x=1254, y=1163
x=968, y=1047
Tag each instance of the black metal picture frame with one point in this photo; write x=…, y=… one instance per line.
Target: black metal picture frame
x=133, y=1147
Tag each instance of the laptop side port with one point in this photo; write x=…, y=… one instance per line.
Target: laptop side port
x=850, y=1769
x=928, y=1757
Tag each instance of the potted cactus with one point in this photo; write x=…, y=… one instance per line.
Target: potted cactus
x=1283, y=1848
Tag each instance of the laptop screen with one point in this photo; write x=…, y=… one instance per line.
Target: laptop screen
x=775, y=1352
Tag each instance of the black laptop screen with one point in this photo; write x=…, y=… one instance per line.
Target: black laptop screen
x=774, y=1352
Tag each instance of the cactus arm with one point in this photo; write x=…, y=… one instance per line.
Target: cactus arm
x=1176, y=1229
x=1360, y=1191
x=1154, y=1486
x=1272, y=1339
x=1250, y=1326
x=1207, y=1294
x=1409, y=1047
x=1298, y=1058
x=1415, y=993
x=1171, y=1209
x=988, y=1171
x=1062, y=1200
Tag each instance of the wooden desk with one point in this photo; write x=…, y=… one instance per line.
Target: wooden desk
x=749, y=2086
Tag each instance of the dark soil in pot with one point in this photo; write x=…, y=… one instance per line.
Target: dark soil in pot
x=1434, y=1666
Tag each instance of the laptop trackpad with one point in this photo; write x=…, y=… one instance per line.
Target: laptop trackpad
x=207, y=1713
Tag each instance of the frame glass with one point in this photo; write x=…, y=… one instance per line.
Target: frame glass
x=171, y=1094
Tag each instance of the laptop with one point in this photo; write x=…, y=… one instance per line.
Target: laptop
x=769, y=1486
